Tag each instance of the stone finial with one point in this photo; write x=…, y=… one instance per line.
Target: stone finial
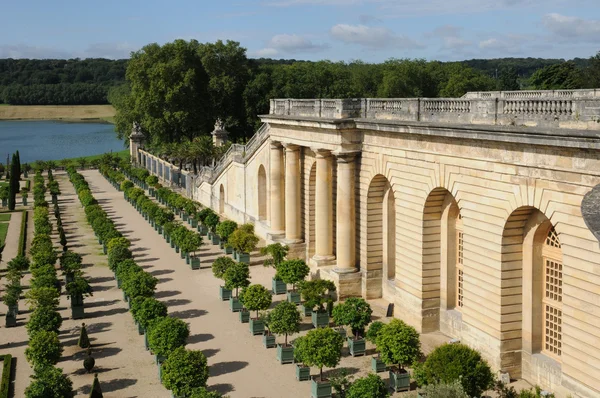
x=219, y=133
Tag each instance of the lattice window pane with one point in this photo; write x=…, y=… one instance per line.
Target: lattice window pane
x=459, y=269
x=552, y=239
x=553, y=330
x=553, y=282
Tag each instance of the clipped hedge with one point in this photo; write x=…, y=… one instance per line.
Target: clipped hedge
x=23, y=236
x=6, y=373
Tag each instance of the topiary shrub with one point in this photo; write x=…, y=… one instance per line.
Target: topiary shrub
x=148, y=310
x=184, y=370
x=450, y=362
x=42, y=297
x=84, y=340
x=44, y=349
x=49, y=378
x=373, y=331
x=225, y=229
x=116, y=255
x=139, y=284
x=220, y=265
x=202, y=392
x=166, y=335
x=96, y=390
x=398, y=344
x=89, y=362
x=371, y=386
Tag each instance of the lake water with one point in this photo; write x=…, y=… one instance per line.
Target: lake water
x=50, y=140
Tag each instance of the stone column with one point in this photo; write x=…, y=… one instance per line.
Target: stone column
x=346, y=214
x=293, y=230
x=276, y=188
x=324, y=209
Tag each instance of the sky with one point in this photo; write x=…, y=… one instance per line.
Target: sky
x=337, y=30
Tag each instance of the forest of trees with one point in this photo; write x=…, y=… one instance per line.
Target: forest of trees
x=59, y=81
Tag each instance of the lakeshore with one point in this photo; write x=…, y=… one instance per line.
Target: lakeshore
x=64, y=113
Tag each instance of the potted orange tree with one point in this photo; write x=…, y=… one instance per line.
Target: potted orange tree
x=321, y=347
x=398, y=343
x=284, y=319
x=293, y=272
x=220, y=265
x=236, y=276
x=276, y=253
x=256, y=298
x=356, y=313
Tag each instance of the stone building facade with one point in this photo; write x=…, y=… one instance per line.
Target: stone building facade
x=465, y=213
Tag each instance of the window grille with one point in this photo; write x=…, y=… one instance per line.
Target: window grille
x=552, y=297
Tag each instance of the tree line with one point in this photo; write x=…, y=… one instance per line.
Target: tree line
x=59, y=81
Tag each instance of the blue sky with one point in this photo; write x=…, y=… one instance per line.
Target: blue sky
x=370, y=30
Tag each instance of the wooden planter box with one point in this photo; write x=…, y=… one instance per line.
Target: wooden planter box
x=215, y=239
x=285, y=354
x=104, y=249
x=146, y=345
x=243, y=258
x=320, y=389
x=293, y=297
x=244, y=316
x=399, y=381
x=305, y=311
x=77, y=312
x=176, y=249
x=356, y=347
x=269, y=340
x=141, y=330
x=302, y=372
x=278, y=287
x=172, y=244
x=194, y=223
x=224, y=294
x=227, y=249
x=11, y=320
x=320, y=319
x=202, y=229
x=195, y=263
x=182, y=254
x=235, y=305
x=377, y=365
x=257, y=326
x=184, y=216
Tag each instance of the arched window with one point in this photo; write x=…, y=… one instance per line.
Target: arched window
x=459, y=263
x=552, y=295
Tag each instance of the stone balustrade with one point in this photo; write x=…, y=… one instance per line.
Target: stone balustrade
x=576, y=109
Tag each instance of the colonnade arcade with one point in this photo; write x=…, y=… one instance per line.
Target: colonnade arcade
x=531, y=264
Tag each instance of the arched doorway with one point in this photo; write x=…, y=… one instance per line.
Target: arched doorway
x=532, y=267
x=262, y=193
x=221, y=199
x=381, y=233
x=442, y=261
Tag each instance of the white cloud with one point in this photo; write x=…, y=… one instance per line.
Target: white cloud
x=372, y=37
x=97, y=50
x=568, y=27
x=289, y=44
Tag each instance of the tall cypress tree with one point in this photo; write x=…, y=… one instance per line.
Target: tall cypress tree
x=18, y=166
x=13, y=186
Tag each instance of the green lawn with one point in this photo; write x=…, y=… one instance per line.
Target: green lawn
x=124, y=154
x=3, y=232
x=5, y=217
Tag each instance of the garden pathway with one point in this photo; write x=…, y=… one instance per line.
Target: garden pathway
x=239, y=365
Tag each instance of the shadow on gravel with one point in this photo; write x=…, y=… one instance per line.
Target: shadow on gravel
x=159, y=272
x=210, y=352
x=176, y=302
x=139, y=249
x=188, y=314
x=222, y=368
x=222, y=388
x=198, y=338
x=109, y=386
x=166, y=293
x=101, y=279
x=163, y=280
x=98, y=314
x=101, y=303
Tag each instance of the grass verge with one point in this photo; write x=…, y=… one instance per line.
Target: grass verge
x=5, y=217
x=3, y=232
x=124, y=154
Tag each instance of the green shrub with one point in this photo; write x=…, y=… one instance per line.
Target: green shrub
x=371, y=386
x=373, y=331
x=354, y=312
x=139, y=284
x=316, y=293
x=184, y=370
x=167, y=334
x=49, y=382
x=322, y=347
x=44, y=349
x=225, y=229
x=446, y=390
x=243, y=239
x=237, y=276
x=256, y=298
x=148, y=310
x=292, y=271
x=116, y=255
x=450, y=362
x=284, y=319
x=6, y=372
x=42, y=297
x=202, y=392
x=44, y=318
